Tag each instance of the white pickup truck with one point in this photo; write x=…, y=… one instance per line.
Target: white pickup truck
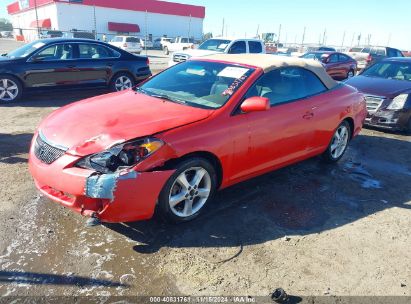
x=179, y=44
x=220, y=45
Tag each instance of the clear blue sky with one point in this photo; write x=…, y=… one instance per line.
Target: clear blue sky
x=383, y=20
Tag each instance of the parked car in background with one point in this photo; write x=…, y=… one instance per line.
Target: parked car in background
x=6, y=34
x=387, y=87
x=338, y=65
x=160, y=42
x=127, y=43
x=146, y=43
x=200, y=126
x=178, y=44
x=59, y=63
x=368, y=55
x=218, y=46
x=80, y=35
x=51, y=34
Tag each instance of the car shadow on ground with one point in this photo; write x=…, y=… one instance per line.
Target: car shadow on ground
x=14, y=147
x=306, y=198
x=55, y=98
x=18, y=277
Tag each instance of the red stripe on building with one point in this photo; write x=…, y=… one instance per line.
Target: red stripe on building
x=151, y=6
x=123, y=27
x=43, y=23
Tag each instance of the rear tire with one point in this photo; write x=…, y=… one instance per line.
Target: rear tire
x=339, y=143
x=186, y=193
x=11, y=89
x=121, y=82
x=166, y=51
x=350, y=74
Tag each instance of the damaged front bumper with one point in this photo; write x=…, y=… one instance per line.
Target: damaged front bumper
x=389, y=119
x=124, y=196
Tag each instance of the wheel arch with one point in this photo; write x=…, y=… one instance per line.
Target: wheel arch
x=350, y=121
x=121, y=72
x=211, y=157
x=21, y=81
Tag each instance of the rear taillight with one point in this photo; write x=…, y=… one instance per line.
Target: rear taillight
x=125, y=45
x=369, y=58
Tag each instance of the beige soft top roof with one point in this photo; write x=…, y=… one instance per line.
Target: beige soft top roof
x=270, y=62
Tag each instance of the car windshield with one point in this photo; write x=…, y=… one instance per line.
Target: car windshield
x=218, y=45
x=316, y=56
x=390, y=70
x=200, y=84
x=26, y=50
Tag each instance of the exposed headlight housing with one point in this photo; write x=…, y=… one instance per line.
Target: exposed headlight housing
x=121, y=156
x=398, y=102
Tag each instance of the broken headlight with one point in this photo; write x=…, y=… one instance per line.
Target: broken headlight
x=121, y=156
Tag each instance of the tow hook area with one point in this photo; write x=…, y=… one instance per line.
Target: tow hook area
x=93, y=220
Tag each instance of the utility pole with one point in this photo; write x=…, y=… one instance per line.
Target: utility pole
x=342, y=43
x=258, y=30
x=95, y=20
x=189, y=28
x=302, y=41
x=325, y=32
x=389, y=39
x=279, y=34
x=146, y=32
x=222, y=31
x=352, y=40
x=37, y=19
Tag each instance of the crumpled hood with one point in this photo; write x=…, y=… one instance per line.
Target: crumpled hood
x=95, y=124
x=197, y=52
x=389, y=88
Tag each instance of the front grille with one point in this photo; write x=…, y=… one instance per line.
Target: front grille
x=180, y=58
x=373, y=103
x=46, y=152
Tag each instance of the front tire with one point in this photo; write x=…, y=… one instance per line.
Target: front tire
x=166, y=51
x=121, y=82
x=187, y=191
x=338, y=144
x=10, y=89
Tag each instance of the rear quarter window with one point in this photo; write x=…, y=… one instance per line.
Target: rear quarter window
x=255, y=47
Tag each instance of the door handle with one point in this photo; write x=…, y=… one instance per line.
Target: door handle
x=70, y=66
x=308, y=115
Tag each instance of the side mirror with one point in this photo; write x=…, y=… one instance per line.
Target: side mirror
x=4, y=55
x=255, y=104
x=36, y=59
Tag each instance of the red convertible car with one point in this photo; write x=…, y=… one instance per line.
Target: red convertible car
x=197, y=127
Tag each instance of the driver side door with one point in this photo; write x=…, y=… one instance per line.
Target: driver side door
x=53, y=65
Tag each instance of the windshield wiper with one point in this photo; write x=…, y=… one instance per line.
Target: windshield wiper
x=161, y=96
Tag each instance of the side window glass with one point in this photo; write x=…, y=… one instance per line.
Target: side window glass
x=255, y=47
x=342, y=57
x=287, y=84
x=94, y=51
x=333, y=58
x=238, y=47
x=56, y=52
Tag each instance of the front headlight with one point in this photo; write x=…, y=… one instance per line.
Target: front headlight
x=121, y=156
x=398, y=102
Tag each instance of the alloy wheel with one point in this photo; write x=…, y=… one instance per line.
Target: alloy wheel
x=190, y=192
x=8, y=90
x=350, y=74
x=123, y=83
x=340, y=141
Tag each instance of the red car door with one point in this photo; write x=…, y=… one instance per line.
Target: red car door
x=280, y=135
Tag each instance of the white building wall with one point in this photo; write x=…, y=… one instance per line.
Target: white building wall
x=24, y=19
x=81, y=17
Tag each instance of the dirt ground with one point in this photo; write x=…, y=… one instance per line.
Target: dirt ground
x=313, y=229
